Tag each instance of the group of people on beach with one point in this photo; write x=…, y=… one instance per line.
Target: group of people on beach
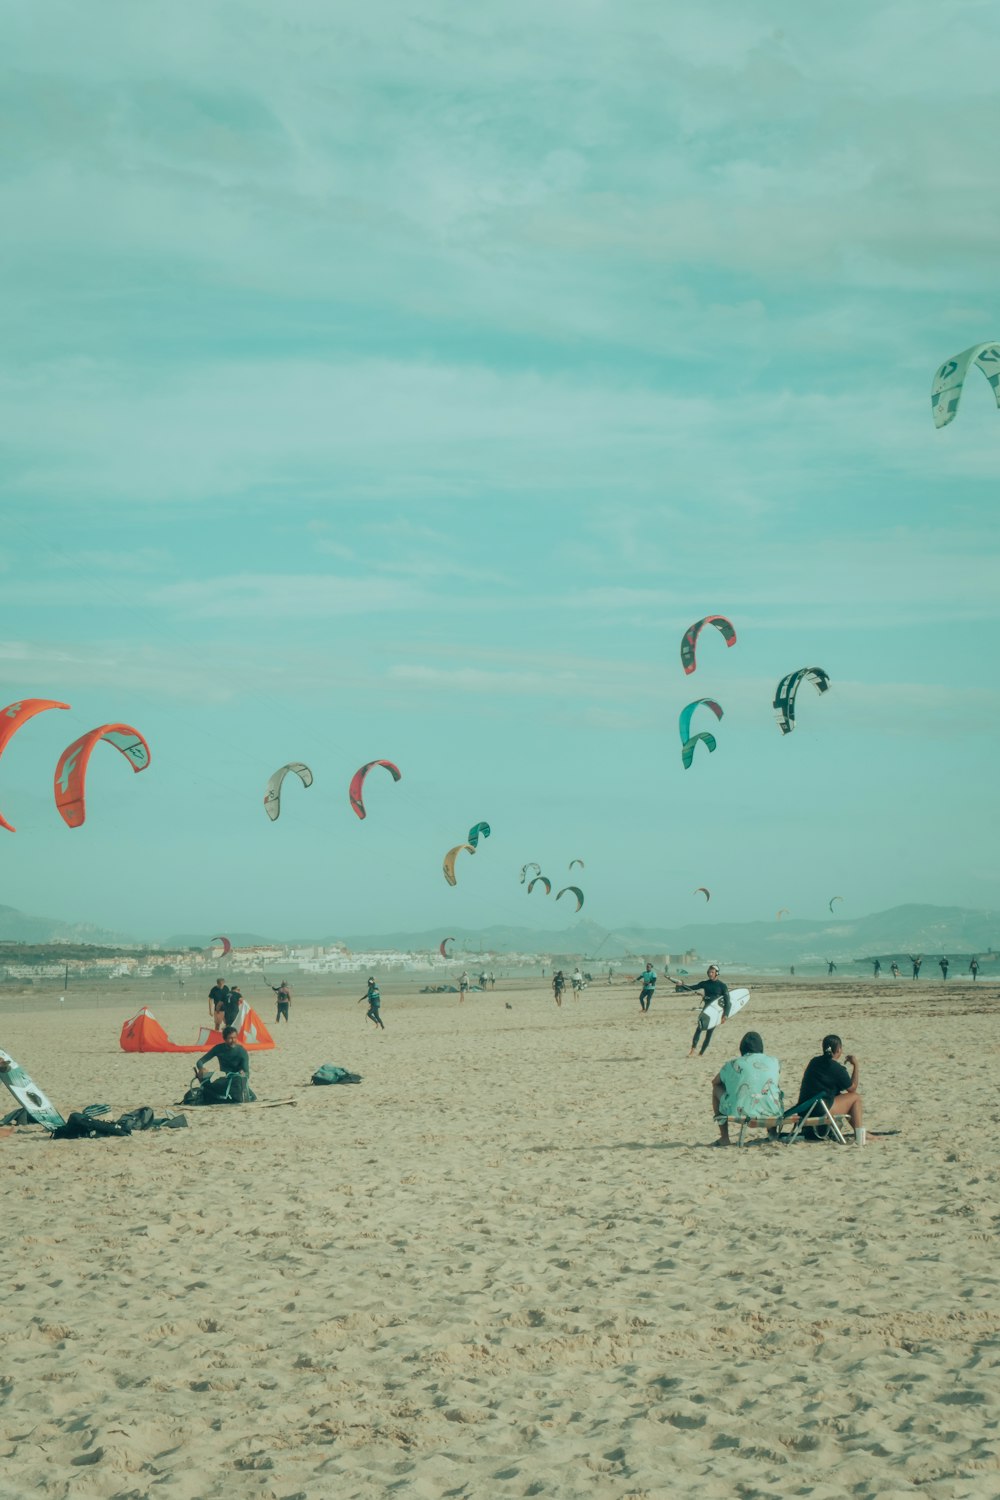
x=944, y=964
x=224, y=1001
x=748, y=1088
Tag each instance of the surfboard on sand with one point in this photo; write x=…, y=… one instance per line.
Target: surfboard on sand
x=27, y=1093
x=713, y=1012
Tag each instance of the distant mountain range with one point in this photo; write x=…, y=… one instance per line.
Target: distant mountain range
x=930, y=930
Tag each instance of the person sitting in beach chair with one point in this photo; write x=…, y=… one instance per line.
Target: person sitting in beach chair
x=828, y=1090
x=746, y=1089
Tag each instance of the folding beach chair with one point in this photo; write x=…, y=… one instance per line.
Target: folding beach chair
x=771, y=1123
x=816, y=1114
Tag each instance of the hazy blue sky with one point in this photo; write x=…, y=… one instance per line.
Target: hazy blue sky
x=402, y=381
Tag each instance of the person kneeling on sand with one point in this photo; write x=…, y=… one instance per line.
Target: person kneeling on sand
x=826, y=1076
x=746, y=1087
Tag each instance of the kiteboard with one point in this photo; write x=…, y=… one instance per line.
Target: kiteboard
x=714, y=1012
x=27, y=1093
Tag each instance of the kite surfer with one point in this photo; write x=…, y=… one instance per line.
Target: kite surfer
x=648, y=981
x=374, y=998
x=916, y=962
x=283, y=996
x=831, y=967
x=712, y=988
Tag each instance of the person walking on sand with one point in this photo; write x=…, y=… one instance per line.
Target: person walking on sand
x=943, y=966
x=217, y=997
x=916, y=962
x=493, y=980
x=577, y=983
x=974, y=968
x=648, y=981
x=712, y=988
x=877, y=968
x=284, y=997
x=374, y=998
x=895, y=969
x=558, y=985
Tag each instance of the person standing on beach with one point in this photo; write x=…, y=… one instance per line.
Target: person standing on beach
x=463, y=986
x=217, y=997
x=712, y=988
x=374, y=998
x=916, y=962
x=877, y=969
x=284, y=998
x=895, y=969
x=577, y=983
x=233, y=1002
x=831, y=967
x=493, y=980
x=558, y=984
x=974, y=968
x=648, y=981
x=943, y=966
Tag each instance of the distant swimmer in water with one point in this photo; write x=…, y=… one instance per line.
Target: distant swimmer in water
x=712, y=988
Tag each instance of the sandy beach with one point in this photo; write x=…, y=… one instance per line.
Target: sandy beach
x=508, y=1263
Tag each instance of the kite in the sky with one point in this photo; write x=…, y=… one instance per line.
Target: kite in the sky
x=687, y=750
x=833, y=899
x=949, y=380
x=71, y=772
x=531, y=866
x=687, y=714
x=540, y=880
x=11, y=719
x=443, y=950
x=227, y=946
x=358, y=780
x=690, y=638
x=576, y=892
x=785, y=692
x=475, y=831
x=449, y=861
x=705, y=891
x=577, y=862
x=272, y=797
x=782, y=912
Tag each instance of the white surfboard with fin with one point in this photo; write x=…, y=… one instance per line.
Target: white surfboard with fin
x=714, y=1012
x=27, y=1093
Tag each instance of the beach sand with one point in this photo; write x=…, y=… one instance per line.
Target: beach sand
x=506, y=1264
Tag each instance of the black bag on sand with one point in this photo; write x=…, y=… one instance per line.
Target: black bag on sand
x=80, y=1127
x=138, y=1119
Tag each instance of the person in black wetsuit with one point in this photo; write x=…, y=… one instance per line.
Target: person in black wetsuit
x=217, y=997
x=284, y=999
x=232, y=1005
x=374, y=997
x=943, y=966
x=712, y=988
x=234, y=1060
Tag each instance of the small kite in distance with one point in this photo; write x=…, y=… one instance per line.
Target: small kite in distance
x=71, y=772
x=786, y=691
x=577, y=862
x=690, y=638
x=448, y=864
x=272, y=796
x=530, y=866
x=687, y=752
x=358, y=781
x=540, y=880
x=444, y=946
x=782, y=912
x=576, y=892
x=11, y=719
x=475, y=831
x=687, y=714
x=227, y=946
x=949, y=380
x=705, y=891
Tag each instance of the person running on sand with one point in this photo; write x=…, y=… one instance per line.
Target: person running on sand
x=558, y=985
x=826, y=1076
x=648, y=981
x=712, y=988
x=284, y=998
x=374, y=998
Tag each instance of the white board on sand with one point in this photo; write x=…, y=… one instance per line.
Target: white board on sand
x=28, y=1094
x=713, y=1011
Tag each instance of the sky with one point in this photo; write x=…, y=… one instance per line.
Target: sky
x=401, y=382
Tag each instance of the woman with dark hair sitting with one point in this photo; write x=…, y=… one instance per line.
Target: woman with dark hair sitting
x=825, y=1076
x=746, y=1087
